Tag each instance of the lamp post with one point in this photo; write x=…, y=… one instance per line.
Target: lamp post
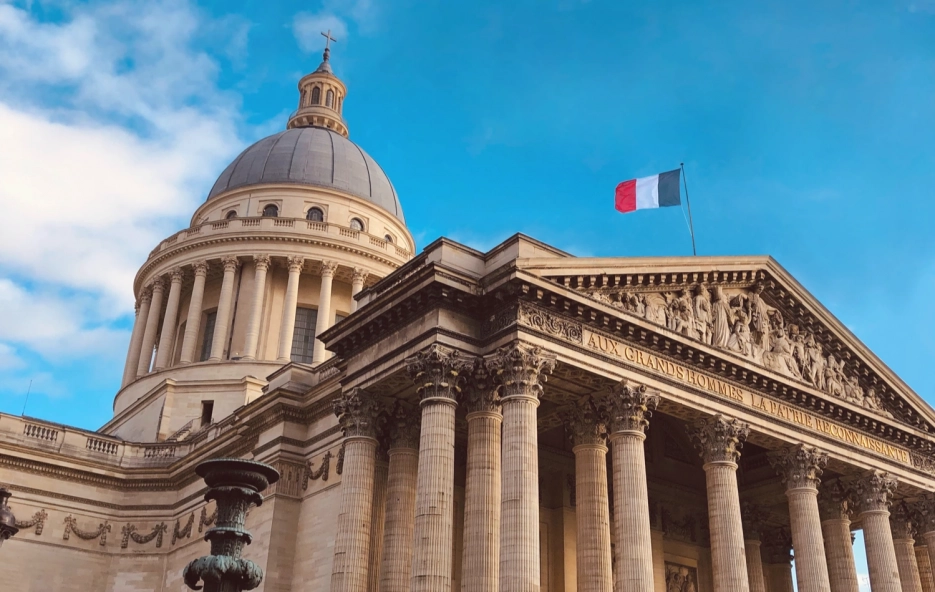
x=7, y=519
x=234, y=484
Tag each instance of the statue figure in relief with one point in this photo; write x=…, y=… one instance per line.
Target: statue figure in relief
x=721, y=317
x=703, y=317
x=834, y=384
x=759, y=316
x=740, y=340
x=682, y=314
x=853, y=393
x=655, y=308
x=780, y=357
x=815, y=364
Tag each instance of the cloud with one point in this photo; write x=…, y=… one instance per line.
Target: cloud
x=334, y=16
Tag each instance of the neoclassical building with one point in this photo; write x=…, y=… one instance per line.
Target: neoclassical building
x=520, y=420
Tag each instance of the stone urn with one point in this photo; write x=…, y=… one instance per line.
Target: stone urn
x=234, y=484
x=7, y=519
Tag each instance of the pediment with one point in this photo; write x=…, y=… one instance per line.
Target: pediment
x=749, y=308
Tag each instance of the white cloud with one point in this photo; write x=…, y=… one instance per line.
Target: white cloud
x=9, y=359
x=334, y=16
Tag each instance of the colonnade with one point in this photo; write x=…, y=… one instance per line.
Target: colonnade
x=501, y=547
x=157, y=323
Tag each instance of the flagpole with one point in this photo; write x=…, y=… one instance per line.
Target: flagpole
x=691, y=227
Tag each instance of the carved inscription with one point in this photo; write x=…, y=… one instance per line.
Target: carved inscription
x=724, y=389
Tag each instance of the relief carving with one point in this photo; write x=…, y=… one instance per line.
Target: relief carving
x=358, y=413
x=129, y=531
x=718, y=438
x=681, y=578
x=874, y=491
x=179, y=533
x=629, y=407
x=71, y=526
x=38, y=520
x=799, y=466
x=550, y=324
x=320, y=473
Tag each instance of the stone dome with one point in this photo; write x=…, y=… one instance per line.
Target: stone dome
x=313, y=156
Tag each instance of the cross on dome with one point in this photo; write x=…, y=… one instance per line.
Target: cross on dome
x=328, y=40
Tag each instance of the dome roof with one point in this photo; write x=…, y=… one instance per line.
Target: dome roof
x=313, y=156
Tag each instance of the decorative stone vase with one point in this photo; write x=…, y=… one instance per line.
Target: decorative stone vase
x=234, y=484
x=7, y=519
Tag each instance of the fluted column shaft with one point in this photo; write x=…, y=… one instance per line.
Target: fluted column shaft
x=167, y=335
x=325, y=316
x=225, y=301
x=261, y=266
x=929, y=538
x=290, y=301
x=780, y=577
x=357, y=284
x=396, y=565
x=755, y=575
x=193, y=321
x=480, y=567
x=377, y=521
x=634, y=568
x=909, y=576
x=592, y=513
x=839, y=552
x=149, y=333
x=136, y=339
x=873, y=493
x=926, y=576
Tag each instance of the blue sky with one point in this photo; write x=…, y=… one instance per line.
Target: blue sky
x=806, y=129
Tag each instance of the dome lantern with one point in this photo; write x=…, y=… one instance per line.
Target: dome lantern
x=321, y=97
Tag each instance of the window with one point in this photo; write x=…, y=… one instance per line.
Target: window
x=208, y=335
x=207, y=411
x=316, y=95
x=357, y=224
x=315, y=215
x=303, y=339
x=304, y=96
x=270, y=210
x=231, y=215
x=329, y=98
x=388, y=238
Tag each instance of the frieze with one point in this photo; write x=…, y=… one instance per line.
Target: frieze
x=71, y=527
x=38, y=520
x=129, y=531
x=320, y=473
x=681, y=578
x=179, y=533
x=550, y=324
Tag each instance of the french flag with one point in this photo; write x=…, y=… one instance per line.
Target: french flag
x=657, y=191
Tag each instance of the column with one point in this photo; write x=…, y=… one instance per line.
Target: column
x=925, y=568
x=627, y=412
x=873, y=496
x=396, y=564
x=136, y=338
x=357, y=284
x=435, y=373
x=926, y=515
x=167, y=335
x=835, y=507
x=222, y=320
x=754, y=517
x=261, y=266
x=377, y=518
x=287, y=327
x=325, y=315
x=358, y=413
x=719, y=440
x=152, y=324
x=193, y=322
x=522, y=369
x=904, y=543
x=800, y=468
x=480, y=564
x=585, y=423
x=777, y=549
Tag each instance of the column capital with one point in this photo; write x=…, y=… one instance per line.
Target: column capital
x=719, y=438
x=479, y=386
x=873, y=491
x=799, y=466
x=753, y=517
x=925, y=513
x=295, y=263
x=522, y=368
x=200, y=268
x=777, y=546
x=835, y=501
x=360, y=274
x=628, y=407
x=328, y=268
x=585, y=422
x=359, y=413
x=902, y=522
x=404, y=427
x=157, y=285
x=176, y=275
x=436, y=372
x=261, y=262
x=230, y=263
x=146, y=294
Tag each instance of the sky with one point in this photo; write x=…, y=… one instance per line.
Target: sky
x=806, y=129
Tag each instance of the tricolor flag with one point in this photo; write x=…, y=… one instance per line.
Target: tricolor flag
x=657, y=191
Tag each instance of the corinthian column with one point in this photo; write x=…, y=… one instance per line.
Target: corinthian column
x=291, y=300
x=357, y=284
x=193, y=322
x=435, y=374
x=480, y=565
x=627, y=412
x=396, y=564
x=777, y=548
x=152, y=325
x=359, y=415
x=585, y=422
x=835, y=507
x=261, y=266
x=136, y=338
x=719, y=440
x=754, y=517
x=523, y=368
x=925, y=568
x=222, y=320
x=167, y=335
x=325, y=315
x=904, y=543
x=873, y=493
x=378, y=517
x=800, y=468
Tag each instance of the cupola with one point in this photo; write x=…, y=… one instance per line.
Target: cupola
x=321, y=97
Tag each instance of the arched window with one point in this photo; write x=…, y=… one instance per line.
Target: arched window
x=388, y=238
x=357, y=224
x=231, y=215
x=316, y=95
x=329, y=98
x=315, y=215
x=270, y=210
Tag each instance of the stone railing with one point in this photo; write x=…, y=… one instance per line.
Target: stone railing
x=218, y=228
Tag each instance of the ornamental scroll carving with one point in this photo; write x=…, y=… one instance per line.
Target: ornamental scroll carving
x=550, y=324
x=129, y=531
x=740, y=321
x=71, y=527
x=38, y=520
